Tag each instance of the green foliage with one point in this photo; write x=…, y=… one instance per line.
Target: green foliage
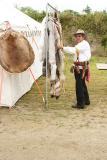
x=104, y=41
x=33, y=13
x=94, y=24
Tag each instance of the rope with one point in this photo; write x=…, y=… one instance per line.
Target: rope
x=39, y=89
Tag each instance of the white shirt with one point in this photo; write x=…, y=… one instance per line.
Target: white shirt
x=84, y=51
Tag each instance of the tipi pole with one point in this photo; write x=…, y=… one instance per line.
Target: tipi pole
x=46, y=53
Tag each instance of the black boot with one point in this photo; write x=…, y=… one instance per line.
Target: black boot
x=78, y=106
x=87, y=103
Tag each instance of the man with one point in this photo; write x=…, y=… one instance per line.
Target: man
x=82, y=55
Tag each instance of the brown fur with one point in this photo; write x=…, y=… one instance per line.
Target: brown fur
x=16, y=54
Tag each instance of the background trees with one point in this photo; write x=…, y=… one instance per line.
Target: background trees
x=94, y=23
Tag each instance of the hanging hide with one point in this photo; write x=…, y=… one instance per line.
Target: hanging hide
x=16, y=54
x=55, y=57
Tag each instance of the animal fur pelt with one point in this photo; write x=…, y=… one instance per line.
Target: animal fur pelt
x=55, y=57
x=16, y=54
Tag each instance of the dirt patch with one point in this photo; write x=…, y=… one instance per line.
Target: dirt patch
x=28, y=132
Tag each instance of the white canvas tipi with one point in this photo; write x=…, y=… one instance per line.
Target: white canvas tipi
x=13, y=86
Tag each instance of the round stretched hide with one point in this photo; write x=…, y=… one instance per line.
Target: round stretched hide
x=16, y=54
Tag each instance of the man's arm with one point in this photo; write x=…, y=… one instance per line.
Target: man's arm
x=70, y=50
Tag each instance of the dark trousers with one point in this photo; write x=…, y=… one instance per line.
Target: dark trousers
x=81, y=88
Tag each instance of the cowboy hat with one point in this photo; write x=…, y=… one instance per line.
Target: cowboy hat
x=80, y=31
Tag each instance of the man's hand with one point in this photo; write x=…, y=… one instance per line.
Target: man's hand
x=60, y=46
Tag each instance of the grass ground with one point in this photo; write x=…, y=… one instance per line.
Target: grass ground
x=97, y=87
x=28, y=132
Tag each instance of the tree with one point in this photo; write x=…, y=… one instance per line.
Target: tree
x=104, y=42
x=87, y=10
x=33, y=13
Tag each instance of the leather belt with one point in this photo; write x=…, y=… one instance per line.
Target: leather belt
x=81, y=63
